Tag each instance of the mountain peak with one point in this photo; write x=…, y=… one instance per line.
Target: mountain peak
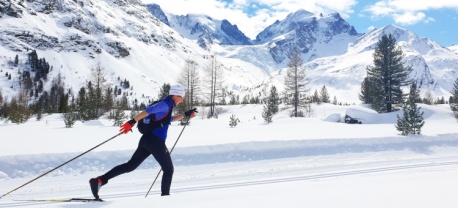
x=158, y=13
x=299, y=15
x=307, y=31
x=207, y=31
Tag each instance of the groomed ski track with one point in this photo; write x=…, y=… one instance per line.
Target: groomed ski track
x=243, y=174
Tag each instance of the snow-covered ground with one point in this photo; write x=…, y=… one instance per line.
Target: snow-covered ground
x=292, y=162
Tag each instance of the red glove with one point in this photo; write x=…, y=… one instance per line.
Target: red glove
x=126, y=127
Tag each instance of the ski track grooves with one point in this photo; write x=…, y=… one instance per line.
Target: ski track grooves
x=266, y=181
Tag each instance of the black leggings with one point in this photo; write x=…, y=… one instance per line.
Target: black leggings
x=147, y=145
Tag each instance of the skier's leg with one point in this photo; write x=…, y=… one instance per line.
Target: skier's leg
x=137, y=158
x=162, y=156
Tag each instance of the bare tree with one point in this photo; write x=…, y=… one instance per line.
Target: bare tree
x=189, y=78
x=296, y=83
x=213, y=81
x=98, y=79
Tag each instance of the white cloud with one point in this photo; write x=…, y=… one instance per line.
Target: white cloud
x=408, y=12
x=409, y=18
x=370, y=28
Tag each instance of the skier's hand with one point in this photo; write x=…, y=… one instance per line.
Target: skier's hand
x=126, y=127
x=190, y=113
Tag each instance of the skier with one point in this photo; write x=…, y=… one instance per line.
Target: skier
x=151, y=143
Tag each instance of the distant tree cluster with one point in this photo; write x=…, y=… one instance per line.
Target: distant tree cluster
x=322, y=97
x=21, y=107
x=97, y=98
x=91, y=102
x=38, y=65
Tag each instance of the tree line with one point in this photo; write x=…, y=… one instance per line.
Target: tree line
x=92, y=101
x=381, y=89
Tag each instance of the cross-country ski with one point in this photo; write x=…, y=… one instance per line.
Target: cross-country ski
x=61, y=200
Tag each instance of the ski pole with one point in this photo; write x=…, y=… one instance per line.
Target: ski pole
x=1, y=196
x=170, y=153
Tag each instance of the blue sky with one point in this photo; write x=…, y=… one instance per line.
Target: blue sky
x=434, y=19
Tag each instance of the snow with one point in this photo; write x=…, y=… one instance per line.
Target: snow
x=297, y=162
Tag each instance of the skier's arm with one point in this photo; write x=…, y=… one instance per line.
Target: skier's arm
x=189, y=113
x=177, y=117
x=140, y=116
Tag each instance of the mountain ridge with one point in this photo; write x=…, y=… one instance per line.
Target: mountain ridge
x=136, y=45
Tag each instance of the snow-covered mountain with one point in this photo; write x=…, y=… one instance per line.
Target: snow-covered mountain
x=157, y=12
x=315, y=35
x=120, y=35
x=434, y=67
x=203, y=29
x=148, y=47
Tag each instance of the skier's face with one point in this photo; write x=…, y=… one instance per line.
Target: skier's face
x=177, y=99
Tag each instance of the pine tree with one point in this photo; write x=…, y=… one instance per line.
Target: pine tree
x=316, y=97
x=324, y=95
x=428, y=99
x=70, y=118
x=414, y=93
x=267, y=114
x=117, y=114
x=16, y=60
x=274, y=100
x=412, y=120
x=233, y=121
x=453, y=102
x=108, y=100
x=164, y=91
x=82, y=104
x=271, y=106
x=334, y=101
x=387, y=75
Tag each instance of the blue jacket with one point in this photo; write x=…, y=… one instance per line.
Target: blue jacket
x=161, y=109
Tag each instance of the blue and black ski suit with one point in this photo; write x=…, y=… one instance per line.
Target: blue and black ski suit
x=151, y=144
